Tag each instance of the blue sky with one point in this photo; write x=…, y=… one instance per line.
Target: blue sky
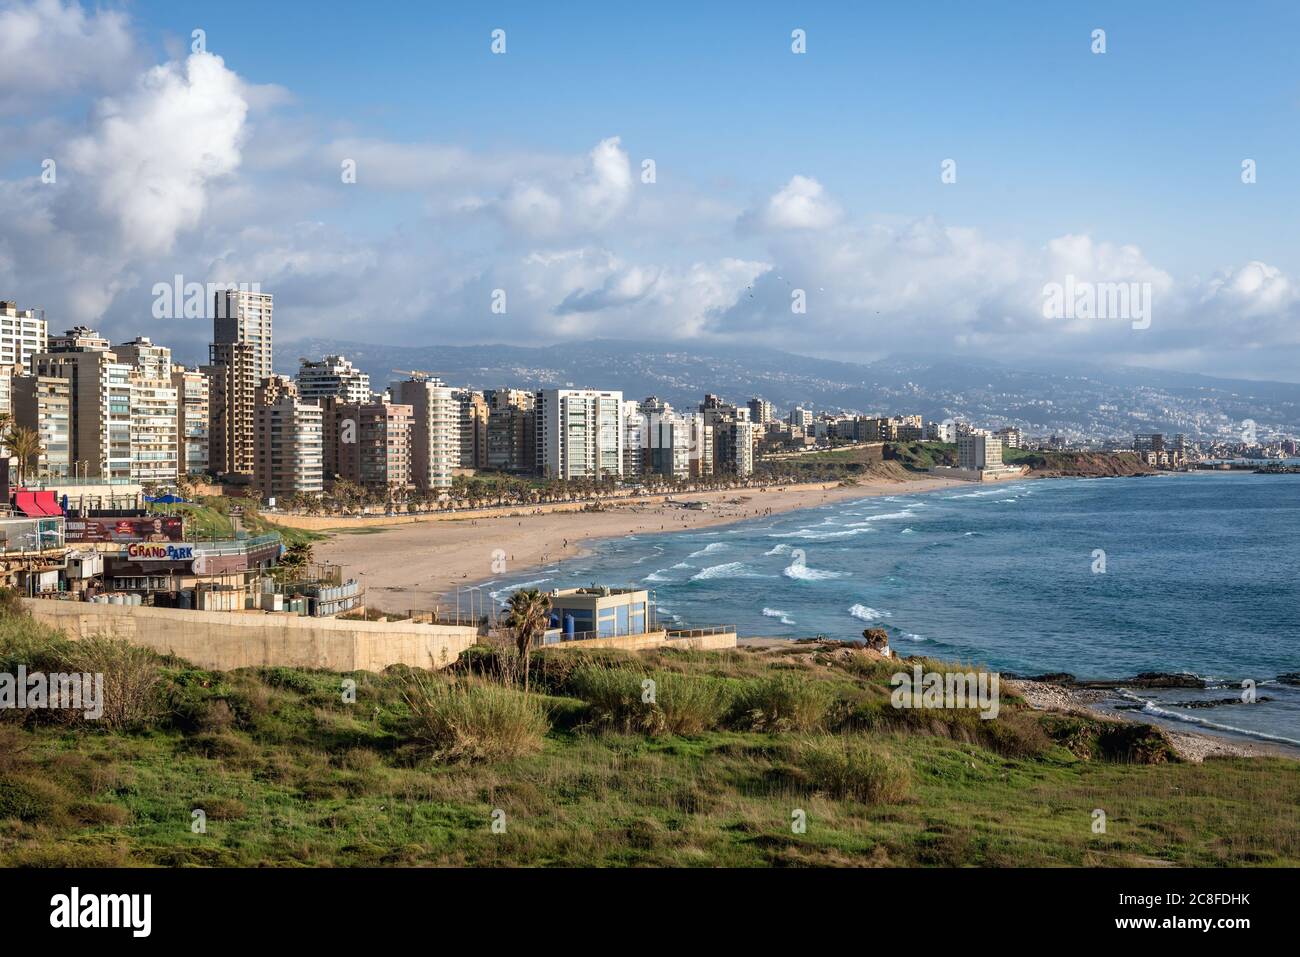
x=821, y=167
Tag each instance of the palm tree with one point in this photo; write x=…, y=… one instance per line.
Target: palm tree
x=25, y=445
x=529, y=614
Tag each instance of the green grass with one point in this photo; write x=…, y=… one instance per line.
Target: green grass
x=289, y=772
x=209, y=518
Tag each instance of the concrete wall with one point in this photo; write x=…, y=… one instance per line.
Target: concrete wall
x=653, y=639
x=224, y=641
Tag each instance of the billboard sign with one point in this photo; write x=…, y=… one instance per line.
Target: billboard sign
x=124, y=530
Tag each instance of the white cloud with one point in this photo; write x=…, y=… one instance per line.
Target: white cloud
x=801, y=204
x=588, y=201
x=188, y=168
x=154, y=151
x=50, y=48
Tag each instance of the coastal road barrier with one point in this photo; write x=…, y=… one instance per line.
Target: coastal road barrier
x=223, y=641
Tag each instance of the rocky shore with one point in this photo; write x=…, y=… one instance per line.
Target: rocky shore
x=1087, y=698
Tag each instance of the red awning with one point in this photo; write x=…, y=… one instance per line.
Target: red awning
x=48, y=503
x=25, y=501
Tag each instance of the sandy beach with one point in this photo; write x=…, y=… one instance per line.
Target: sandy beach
x=414, y=565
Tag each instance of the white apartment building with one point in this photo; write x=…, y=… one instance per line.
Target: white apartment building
x=290, y=448
x=154, y=421
x=241, y=316
x=23, y=334
x=101, y=393
x=435, y=430
x=154, y=411
x=745, y=436
x=579, y=433
x=333, y=376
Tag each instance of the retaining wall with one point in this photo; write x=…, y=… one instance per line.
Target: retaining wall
x=224, y=641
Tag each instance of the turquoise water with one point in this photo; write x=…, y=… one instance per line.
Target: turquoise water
x=1199, y=575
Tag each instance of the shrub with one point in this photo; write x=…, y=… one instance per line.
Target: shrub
x=31, y=799
x=132, y=681
x=674, y=704
x=475, y=722
x=782, y=702
x=847, y=767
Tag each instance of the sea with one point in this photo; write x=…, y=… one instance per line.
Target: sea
x=1194, y=573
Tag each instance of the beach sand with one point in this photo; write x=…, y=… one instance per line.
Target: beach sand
x=416, y=565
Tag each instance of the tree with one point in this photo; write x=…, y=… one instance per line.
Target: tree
x=295, y=559
x=24, y=445
x=529, y=612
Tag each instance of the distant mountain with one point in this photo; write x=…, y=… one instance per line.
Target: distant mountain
x=1074, y=401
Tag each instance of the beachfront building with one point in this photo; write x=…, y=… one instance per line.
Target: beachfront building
x=579, y=433
x=435, y=430
x=43, y=404
x=242, y=316
x=333, y=377
x=511, y=434
x=232, y=404
x=374, y=447
x=23, y=334
x=100, y=391
x=154, y=411
x=192, y=416
x=979, y=451
x=288, y=448
x=579, y=613
x=761, y=412
x=473, y=412
x=79, y=339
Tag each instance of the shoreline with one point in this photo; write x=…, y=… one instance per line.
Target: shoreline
x=1191, y=746
x=418, y=565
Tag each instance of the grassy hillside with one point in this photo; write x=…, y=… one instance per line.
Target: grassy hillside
x=209, y=518
x=1078, y=464
x=581, y=772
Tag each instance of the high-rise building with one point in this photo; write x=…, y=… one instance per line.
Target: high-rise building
x=232, y=403
x=979, y=451
x=192, y=419
x=761, y=412
x=375, y=450
x=579, y=433
x=154, y=411
x=242, y=316
x=23, y=334
x=744, y=437
x=100, y=390
x=154, y=423
x=288, y=448
x=435, y=430
x=473, y=412
x=511, y=434
x=79, y=339
x=44, y=405
x=151, y=361
x=274, y=388
x=333, y=376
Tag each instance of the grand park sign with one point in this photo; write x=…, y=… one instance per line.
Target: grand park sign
x=158, y=552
